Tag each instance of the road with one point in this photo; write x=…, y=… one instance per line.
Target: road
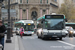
x=33, y=43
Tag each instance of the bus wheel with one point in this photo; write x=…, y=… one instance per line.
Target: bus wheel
x=38, y=37
x=74, y=35
x=43, y=38
x=60, y=38
x=37, y=34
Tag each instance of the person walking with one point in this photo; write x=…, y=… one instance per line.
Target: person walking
x=2, y=30
x=21, y=31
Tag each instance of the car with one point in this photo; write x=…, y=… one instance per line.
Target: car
x=17, y=31
x=70, y=30
x=14, y=30
x=35, y=30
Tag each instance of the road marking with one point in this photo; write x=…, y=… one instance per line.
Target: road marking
x=29, y=37
x=67, y=43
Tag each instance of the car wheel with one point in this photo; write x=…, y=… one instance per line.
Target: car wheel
x=38, y=37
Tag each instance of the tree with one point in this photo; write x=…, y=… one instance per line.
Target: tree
x=68, y=9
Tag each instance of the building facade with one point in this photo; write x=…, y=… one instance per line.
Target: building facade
x=32, y=9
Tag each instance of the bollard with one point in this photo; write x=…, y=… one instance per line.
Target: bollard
x=1, y=47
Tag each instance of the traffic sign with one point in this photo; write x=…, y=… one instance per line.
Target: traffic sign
x=4, y=13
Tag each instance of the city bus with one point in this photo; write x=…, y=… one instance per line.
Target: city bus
x=51, y=26
x=71, y=24
x=28, y=26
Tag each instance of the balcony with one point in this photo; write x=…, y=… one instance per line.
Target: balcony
x=54, y=3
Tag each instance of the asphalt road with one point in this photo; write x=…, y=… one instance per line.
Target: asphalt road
x=33, y=43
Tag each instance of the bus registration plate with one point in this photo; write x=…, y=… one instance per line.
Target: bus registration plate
x=54, y=36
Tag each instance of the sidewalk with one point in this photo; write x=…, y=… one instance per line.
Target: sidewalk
x=16, y=43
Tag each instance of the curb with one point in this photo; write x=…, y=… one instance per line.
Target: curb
x=21, y=47
x=16, y=43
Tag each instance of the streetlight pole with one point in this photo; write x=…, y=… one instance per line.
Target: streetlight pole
x=3, y=20
x=0, y=10
x=9, y=28
x=3, y=7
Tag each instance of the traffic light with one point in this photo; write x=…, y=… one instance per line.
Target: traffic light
x=1, y=1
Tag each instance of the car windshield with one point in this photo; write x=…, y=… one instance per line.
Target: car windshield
x=54, y=24
x=69, y=28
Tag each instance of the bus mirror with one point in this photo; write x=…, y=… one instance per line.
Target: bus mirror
x=65, y=20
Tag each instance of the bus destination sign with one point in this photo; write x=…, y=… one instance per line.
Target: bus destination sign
x=54, y=16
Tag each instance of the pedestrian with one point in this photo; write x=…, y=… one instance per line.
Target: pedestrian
x=2, y=30
x=21, y=31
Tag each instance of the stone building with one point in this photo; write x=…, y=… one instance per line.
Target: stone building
x=32, y=9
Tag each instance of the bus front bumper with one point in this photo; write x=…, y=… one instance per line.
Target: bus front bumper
x=28, y=33
x=54, y=35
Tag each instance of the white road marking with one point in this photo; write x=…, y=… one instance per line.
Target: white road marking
x=67, y=43
x=29, y=37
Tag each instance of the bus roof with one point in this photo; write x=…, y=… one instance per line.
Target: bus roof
x=25, y=21
x=43, y=17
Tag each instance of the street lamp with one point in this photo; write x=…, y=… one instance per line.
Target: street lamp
x=8, y=40
x=11, y=27
x=3, y=8
x=1, y=1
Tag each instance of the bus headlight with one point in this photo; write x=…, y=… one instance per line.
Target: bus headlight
x=32, y=32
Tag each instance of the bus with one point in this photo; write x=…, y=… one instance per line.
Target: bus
x=51, y=26
x=71, y=24
x=28, y=26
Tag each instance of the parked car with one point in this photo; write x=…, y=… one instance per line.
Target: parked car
x=70, y=30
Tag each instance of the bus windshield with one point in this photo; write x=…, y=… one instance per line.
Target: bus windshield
x=29, y=27
x=54, y=24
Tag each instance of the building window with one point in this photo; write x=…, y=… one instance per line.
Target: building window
x=20, y=1
x=27, y=1
x=40, y=1
x=73, y=0
x=47, y=1
x=55, y=0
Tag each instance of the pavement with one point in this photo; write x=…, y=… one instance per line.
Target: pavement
x=16, y=43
